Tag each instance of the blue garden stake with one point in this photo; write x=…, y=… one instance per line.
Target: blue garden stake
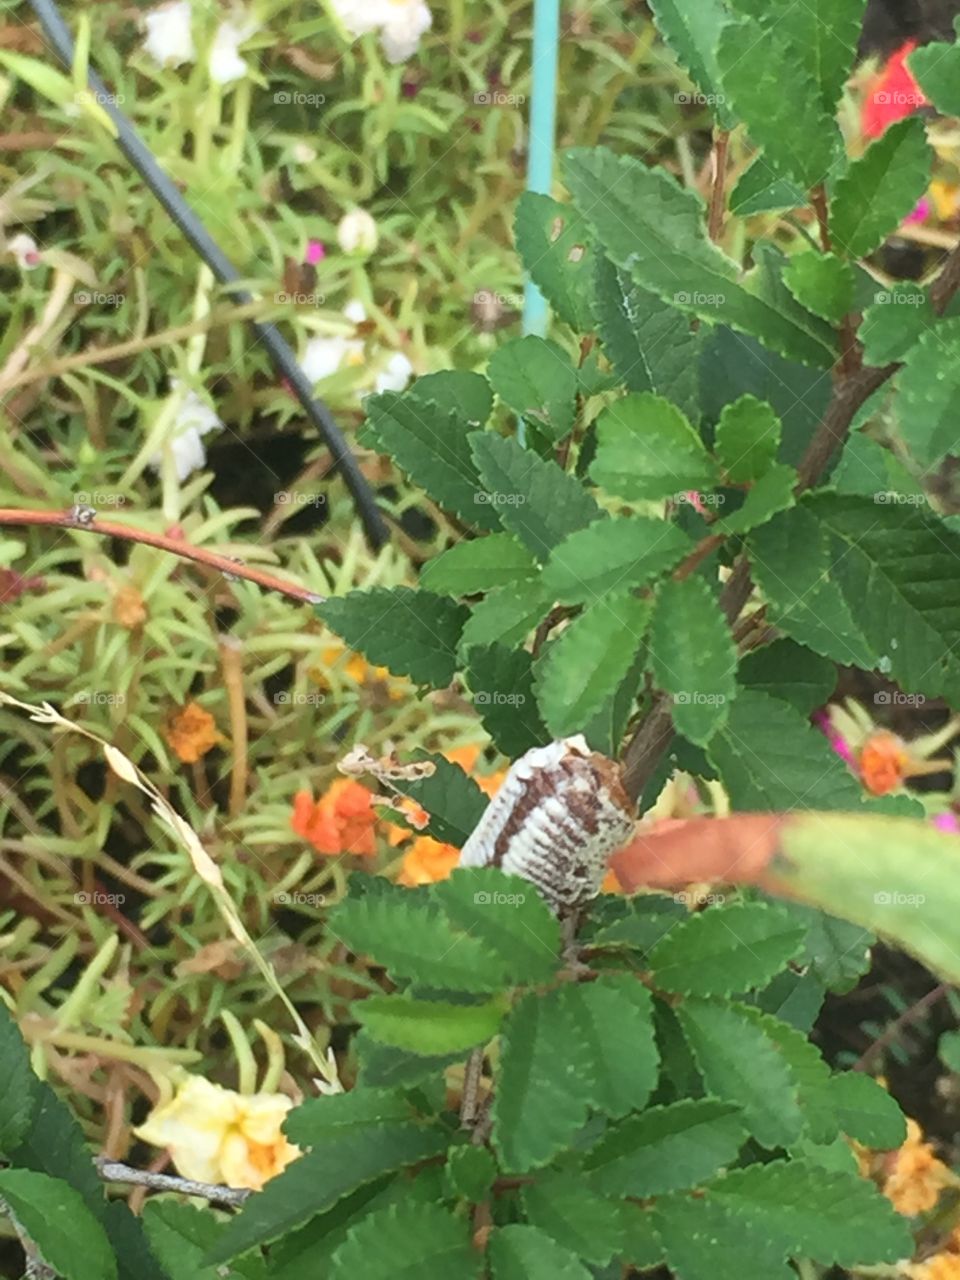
x=543, y=121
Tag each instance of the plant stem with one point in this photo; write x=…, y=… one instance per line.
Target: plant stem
x=718, y=193
x=10, y=516
x=115, y=1171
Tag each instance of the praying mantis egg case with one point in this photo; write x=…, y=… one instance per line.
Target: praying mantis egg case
x=558, y=816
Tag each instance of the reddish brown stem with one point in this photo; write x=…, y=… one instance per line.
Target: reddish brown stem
x=718, y=200
x=76, y=520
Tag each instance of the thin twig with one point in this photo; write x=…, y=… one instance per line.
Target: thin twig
x=892, y=1032
x=115, y=1171
x=76, y=520
x=718, y=192
x=469, y=1097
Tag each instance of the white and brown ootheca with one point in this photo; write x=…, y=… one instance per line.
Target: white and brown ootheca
x=559, y=815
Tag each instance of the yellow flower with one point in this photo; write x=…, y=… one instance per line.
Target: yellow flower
x=915, y=1176
x=216, y=1135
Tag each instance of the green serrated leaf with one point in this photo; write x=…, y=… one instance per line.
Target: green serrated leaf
x=535, y=378
x=823, y=283
x=428, y=1027
x=411, y=633
x=457, y=391
x=767, y=497
x=431, y=445
x=791, y=562
x=867, y=1112
x=830, y=1217
x=927, y=391
x=895, y=322
x=585, y=665
x=573, y=1215
x=346, y=1159
x=870, y=469
x=765, y=89
x=824, y=35
x=705, y=1240
x=770, y=758
x=408, y=1242
x=653, y=228
x=880, y=189
x=181, y=1236
x=787, y=671
x=479, y=564
x=666, y=1148
x=936, y=68
x=646, y=449
x=56, y=1219
x=507, y=615
x=836, y=952
x=519, y=1252
x=471, y=1172
x=561, y=1054
x=501, y=682
x=693, y=656
x=611, y=555
x=536, y=499
x=725, y=949
x=500, y=912
x=454, y=800
x=555, y=245
x=739, y=1063
x=759, y=189
x=411, y=938
x=19, y=1097
x=693, y=33
x=748, y=436
x=652, y=345
x=895, y=566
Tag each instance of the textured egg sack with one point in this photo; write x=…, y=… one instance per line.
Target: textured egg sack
x=559, y=815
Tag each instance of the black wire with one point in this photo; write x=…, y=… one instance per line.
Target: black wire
x=284, y=361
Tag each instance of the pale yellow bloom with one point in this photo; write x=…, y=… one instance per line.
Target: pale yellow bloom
x=216, y=1135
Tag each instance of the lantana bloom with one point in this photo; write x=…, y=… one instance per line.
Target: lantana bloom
x=169, y=40
x=341, y=821
x=25, y=251
x=880, y=758
x=191, y=733
x=893, y=95
x=357, y=233
x=216, y=1135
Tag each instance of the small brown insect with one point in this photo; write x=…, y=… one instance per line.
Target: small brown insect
x=560, y=813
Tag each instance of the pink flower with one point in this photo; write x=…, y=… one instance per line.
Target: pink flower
x=921, y=213
x=315, y=253
x=948, y=822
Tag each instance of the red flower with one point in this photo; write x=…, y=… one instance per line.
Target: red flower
x=892, y=95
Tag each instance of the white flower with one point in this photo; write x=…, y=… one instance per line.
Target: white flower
x=401, y=23
x=357, y=232
x=226, y=65
x=360, y=16
x=406, y=22
x=194, y=419
x=395, y=375
x=355, y=311
x=169, y=37
x=324, y=356
x=25, y=251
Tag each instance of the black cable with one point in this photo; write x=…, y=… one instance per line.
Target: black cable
x=284, y=361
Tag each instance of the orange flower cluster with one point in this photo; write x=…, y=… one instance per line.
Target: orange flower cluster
x=191, y=732
x=912, y=1178
x=884, y=762
x=341, y=821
